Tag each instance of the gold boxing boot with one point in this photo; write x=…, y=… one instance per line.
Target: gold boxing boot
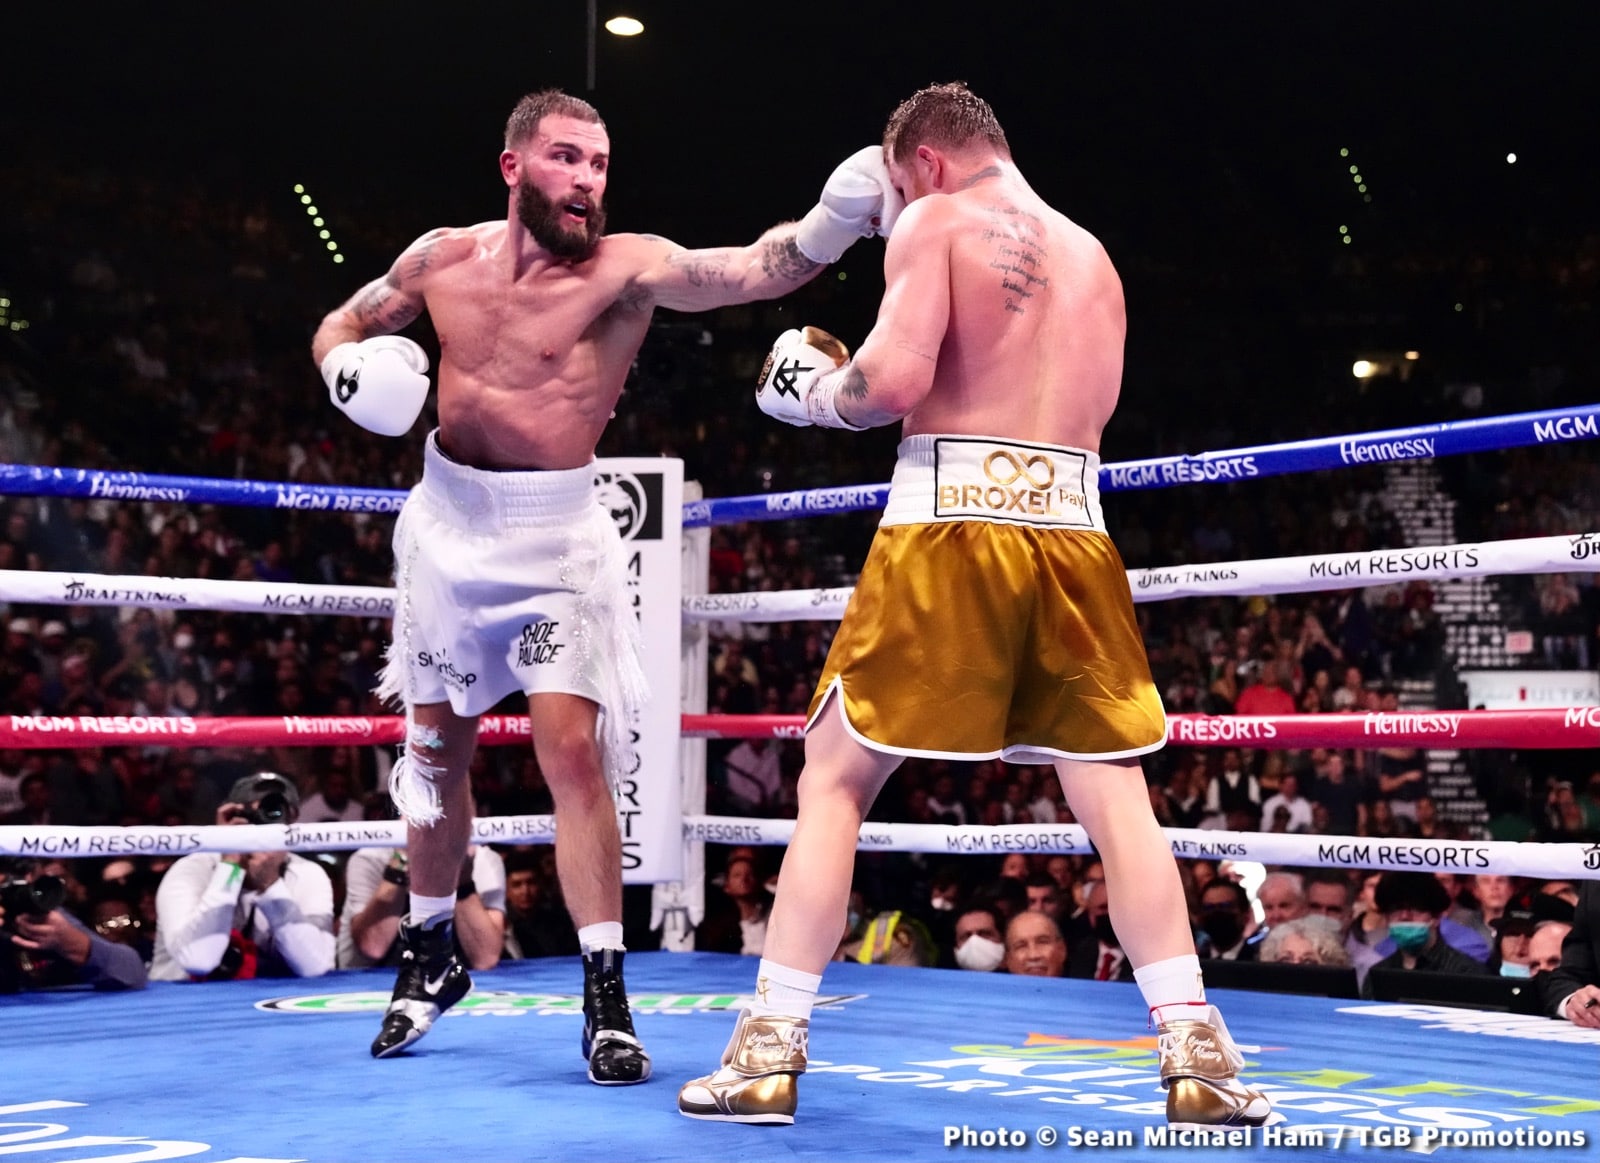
x=759, y=1078
x=1199, y=1068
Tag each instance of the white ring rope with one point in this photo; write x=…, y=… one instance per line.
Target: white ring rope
x=44, y=588
x=1318, y=572
x=1509, y=858
x=1274, y=575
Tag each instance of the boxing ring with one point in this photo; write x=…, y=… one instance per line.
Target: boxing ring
x=911, y=1063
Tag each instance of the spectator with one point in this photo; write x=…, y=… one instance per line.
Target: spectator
x=1544, y=947
x=1045, y=896
x=42, y=945
x=1226, y=921
x=1034, y=946
x=1308, y=940
x=333, y=803
x=753, y=776
x=1328, y=894
x=978, y=944
x=1572, y=991
x=1098, y=954
x=1290, y=799
x=1282, y=896
x=1413, y=904
x=34, y=792
x=737, y=924
x=257, y=914
x=537, y=923
x=1337, y=790
x=377, y=898
x=1231, y=789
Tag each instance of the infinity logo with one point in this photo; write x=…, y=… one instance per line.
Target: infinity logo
x=1020, y=469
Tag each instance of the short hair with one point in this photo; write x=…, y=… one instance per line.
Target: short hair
x=1411, y=890
x=535, y=107
x=1241, y=898
x=1322, y=933
x=522, y=860
x=947, y=116
x=1334, y=877
x=1292, y=879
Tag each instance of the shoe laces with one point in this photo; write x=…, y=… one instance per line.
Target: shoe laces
x=610, y=997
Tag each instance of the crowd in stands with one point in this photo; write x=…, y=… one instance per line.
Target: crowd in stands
x=167, y=331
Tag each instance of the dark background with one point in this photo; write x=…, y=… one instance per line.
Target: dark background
x=1201, y=144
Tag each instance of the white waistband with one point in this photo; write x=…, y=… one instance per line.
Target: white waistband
x=980, y=478
x=484, y=501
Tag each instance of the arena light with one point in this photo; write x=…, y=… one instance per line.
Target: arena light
x=1511, y=159
x=624, y=26
x=1344, y=153
x=1413, y=355
x=1363, y=369
x=318, y=223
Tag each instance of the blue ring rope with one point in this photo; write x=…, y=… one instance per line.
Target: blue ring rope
x=1489, y=434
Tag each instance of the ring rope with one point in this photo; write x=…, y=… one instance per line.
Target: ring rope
x=1512, y=858
x=1543, y=728
x=1577, y=553
x=1486, y=434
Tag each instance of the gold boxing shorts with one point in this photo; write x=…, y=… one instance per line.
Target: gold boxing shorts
x=993, y=616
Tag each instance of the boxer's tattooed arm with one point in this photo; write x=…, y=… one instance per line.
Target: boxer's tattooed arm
x=781, y=259
x=853, y=384
x=703, y=268
x=382, y=308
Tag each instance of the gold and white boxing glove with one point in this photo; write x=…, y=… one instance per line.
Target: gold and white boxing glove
x=858, y=201
x=380, y=383
x=793, y=386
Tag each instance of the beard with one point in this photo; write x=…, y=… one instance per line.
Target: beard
x=543, y=217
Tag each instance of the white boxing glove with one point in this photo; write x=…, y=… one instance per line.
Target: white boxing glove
x=792, y=387
x=858, y=201
x=379, y=383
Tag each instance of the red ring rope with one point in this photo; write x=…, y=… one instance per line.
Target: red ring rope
x=1544, y=728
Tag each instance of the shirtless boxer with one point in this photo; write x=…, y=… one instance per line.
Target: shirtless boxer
x=993, y=616
x=503, y=543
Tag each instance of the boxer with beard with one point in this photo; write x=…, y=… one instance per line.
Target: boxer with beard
x=503, y=543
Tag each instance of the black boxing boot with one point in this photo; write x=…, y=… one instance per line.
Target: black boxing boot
x=616, y=1057
x=431, y=980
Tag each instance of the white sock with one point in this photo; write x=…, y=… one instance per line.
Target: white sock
x=428, y=911
x=784, y=991
x=605, y=935
x=1173, y=988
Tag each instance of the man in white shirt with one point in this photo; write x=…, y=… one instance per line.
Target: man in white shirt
x=334, y=803
x=251, y=914
x=1288, y=797
x=377, y=894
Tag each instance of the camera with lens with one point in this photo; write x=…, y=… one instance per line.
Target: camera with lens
x=36, y=898
x=272, y=808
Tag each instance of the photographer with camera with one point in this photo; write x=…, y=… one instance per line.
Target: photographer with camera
x=252, y=914
x=43, y=946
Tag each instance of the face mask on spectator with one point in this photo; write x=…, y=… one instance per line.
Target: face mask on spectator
x=1512, y=969
x=1409, y=936
x=980, y=954
x=1224, y=929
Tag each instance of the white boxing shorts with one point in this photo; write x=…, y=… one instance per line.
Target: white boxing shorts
x=512, y=581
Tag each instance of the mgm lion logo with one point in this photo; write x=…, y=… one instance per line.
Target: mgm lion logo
x=624, y=496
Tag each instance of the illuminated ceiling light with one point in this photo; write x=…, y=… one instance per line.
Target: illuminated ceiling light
x=1357, y=179
x=316, y=222
x=1361, y=189
x=1367, y=198
x=299, y=189
x=1413, y=355
x=624, y=26
x=1355, y=169
x=1363, y=369
x=1344, y=230
x=1511, y=159
x=306, y=198
x=333, y=246
x=1344, y=153
x=1460, y=307
x=313, y=211
x=324, y=234
x=338, y=258
x=1345, y=240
